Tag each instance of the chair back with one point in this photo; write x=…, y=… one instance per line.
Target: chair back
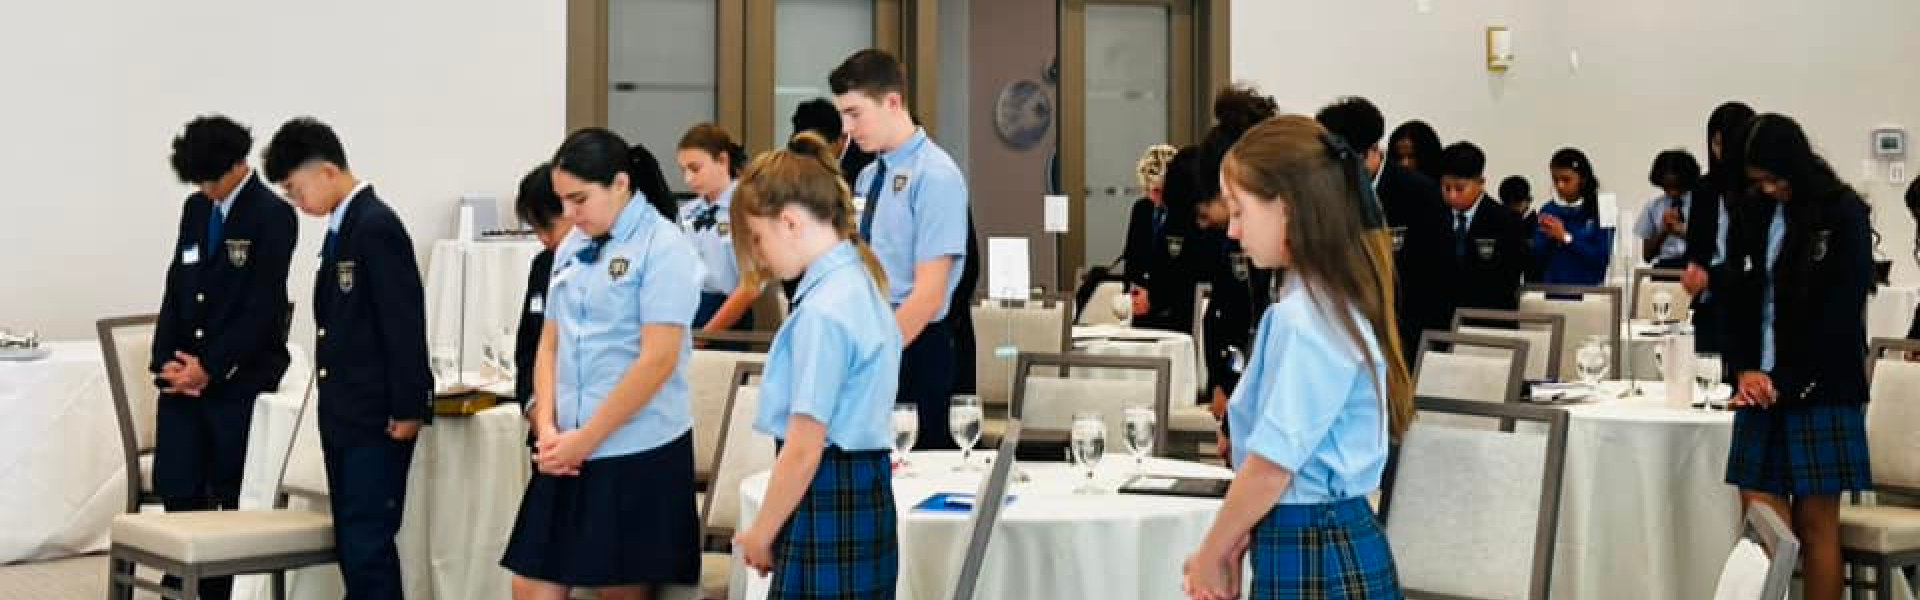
x=987, y=505
x=1589, y=311
x=1647, y=282
x=1543, y=333
x=1893, y=416
x=1473, y=512
x=1074, y=383
x=126, y=345
x=1038, y=326
x=743, y=452
x=710, y=379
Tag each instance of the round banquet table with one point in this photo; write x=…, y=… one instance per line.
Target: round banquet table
x=1051, y=542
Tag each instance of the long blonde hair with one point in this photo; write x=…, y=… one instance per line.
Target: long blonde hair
x=803, y=174
x=1293, y=159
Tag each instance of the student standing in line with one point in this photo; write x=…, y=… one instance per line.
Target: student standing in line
x=914, y=213
x=1796, y=343
x=709, y=160
x=1485, y=246
x=611, y=505
x=220, y=339
x=369, y=312
x=1153, y=242
x=1662, y=228
x=828, y=526
x=1315, y=412
x=540, y=208
x=1571, y=247
x=1722, y=187
x=1415, y=146
x=1411, y=201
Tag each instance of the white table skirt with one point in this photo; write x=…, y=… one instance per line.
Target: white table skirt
x=496, y=273
x=1050, y=543
x=1645, y=510
x=463, y=491
x=1176, y=346
x=61, y=467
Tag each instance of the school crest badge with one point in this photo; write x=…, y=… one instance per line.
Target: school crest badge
x=723, y=229
x=343, y=274
x=899, y=183
x=1174, y=244
x=1242, y=266
x=1485, y=247
x=1399, y=238
x=617, y=267
x=237, y=252
x=1820, y=239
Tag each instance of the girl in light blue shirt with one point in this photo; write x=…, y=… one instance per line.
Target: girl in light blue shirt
x=827, y=527
x=1313, y=414
x=709, y=160
x=611, y=505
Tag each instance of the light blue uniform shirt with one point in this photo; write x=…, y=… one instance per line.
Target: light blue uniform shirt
x=641, y=276
x=1654, y=216
x=709, y=225
x=921, y=214
x=1309, y=404
x=837, y=357
x=1776, y=232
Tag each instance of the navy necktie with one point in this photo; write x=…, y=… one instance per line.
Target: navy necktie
x=873, y=199
x=1459, y=235
x=215, y=224
x=326, y=246
x=1159, y=220
x=591, y=253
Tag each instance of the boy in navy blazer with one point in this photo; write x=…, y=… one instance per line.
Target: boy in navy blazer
x=221, y=337
x=371, y=356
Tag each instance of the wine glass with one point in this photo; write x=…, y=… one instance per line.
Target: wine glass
x=1591, y=360
x=1089, y=445
x=446, y=368
x=963, y=421
x=906, y=429
x=1663, y=306
x=1139, y=431
x=1706, y=377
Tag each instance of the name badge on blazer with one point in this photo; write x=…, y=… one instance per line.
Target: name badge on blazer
x=190, y=256
x=1820, y=240
x=1399, y=238
x=237, y=252
x=1174, y=244
x=537, y=304
x=1485, y=247
x=343, y=272
x=617, y=267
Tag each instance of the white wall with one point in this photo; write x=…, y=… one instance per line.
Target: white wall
x=1649, y=73
x=433, y=99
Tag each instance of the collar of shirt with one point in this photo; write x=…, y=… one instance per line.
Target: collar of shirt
x=899, y=156
x=1681, y=203
x=226, y=204
x=1376, y=176
x=842, y=255
x=631, y=218
x=1471, y=210
x=1556, y=199
x=339, y=213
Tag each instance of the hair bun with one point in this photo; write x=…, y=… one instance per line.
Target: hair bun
x=812, y=144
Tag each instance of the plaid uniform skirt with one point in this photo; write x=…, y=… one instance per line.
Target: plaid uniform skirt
x=1333, y=551
x=840, y=542
x=1810, y=450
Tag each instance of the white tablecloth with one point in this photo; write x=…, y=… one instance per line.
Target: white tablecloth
x=463, y=492
x=1113, y=339
x=1890, y=311
x=1645, y=510
x=496, y=283
x=62, y=474
x=1051, y=543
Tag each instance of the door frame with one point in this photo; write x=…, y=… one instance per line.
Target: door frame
x=744, y=59
x=1199, y=64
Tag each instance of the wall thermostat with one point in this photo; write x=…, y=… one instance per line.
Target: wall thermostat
x=1889, y=142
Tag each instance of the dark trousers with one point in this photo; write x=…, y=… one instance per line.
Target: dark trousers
x=926, y=381
x=1708, y=331
x=200, y=450
x=367, y=483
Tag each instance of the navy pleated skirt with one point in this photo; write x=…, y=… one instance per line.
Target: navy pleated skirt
x=623, y=521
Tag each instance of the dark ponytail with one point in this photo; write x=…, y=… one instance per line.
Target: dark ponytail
x=595, y=155
x=717, y=143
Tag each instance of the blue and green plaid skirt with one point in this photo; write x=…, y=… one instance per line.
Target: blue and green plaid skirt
x=1333, y=551
x=1811, y=450
x=840, y=542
